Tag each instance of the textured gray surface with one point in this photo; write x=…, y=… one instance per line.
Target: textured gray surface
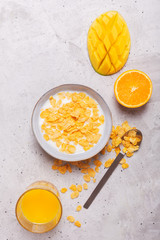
x=42, y=45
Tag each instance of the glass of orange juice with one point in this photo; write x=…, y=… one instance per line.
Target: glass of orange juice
x=39, y=209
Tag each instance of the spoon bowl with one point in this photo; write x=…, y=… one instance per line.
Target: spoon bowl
x=138, y=135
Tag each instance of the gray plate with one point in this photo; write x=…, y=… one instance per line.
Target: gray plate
x=78, y=156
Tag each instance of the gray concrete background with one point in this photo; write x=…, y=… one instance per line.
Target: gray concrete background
x=42, y=45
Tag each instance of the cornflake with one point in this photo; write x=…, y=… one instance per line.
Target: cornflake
x=79, y=188
x=73, y=187
x=97, y=163
x=77, y=224
x=86, y=178
x=71, y=219
x=125, y=165
x=85, y=186
x=91, y=172
x=109, y=148
x=74, y=122
x=63, y=190
x=79, y=207
x=74, y=194
x=97, y=169
x=108, y=163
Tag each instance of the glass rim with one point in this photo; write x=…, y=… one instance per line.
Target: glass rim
x=34, y=222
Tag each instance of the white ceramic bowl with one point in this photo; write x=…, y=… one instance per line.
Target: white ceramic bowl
x=77, y=156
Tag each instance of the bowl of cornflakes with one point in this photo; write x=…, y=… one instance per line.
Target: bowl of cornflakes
x=72, y=122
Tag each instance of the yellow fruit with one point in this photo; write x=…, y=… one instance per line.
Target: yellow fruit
x=108, y=43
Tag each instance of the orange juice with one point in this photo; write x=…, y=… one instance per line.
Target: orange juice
x=39, y=209
x=39, y=205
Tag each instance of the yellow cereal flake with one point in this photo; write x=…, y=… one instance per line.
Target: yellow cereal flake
x=97, y=163
x=63, y=190
x=78, y=208
x=74, y=194
x=91, y=172
x=103, y=151
x=85, y=186
x=84, y=170
x=132, y=134
x=77, y=224
x=76, y=121
x=62, y=169
x=122, y=161
x=58, y=162
x=109, y=148
x=124, y=149
x=69, y=169
x=125, y=165
x=71, y=149
x=97, y=169
x=54, y=167
x=71, y=219
x=108, y=163
x=101, y=119
x=128, y=154
x=94, y=180
x=73, y=187
x=79, y=188
x=86, y=178
x=117, y=150
x=46, y=137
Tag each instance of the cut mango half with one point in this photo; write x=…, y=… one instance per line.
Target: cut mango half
x=108, y=43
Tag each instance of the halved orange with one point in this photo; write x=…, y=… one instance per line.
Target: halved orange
x=133, y=89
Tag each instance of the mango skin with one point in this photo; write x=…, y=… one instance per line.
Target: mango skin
x=108, y=43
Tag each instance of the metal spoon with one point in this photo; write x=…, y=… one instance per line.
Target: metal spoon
x=110, y=170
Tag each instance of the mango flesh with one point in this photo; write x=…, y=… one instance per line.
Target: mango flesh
x=108, y=43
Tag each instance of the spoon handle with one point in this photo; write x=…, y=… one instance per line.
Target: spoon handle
x=103, y=180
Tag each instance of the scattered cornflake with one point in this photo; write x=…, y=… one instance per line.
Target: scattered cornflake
x=79, y=188
x=91, y=172
x=97, y=163
x=74, y=194
x=122, y=161
x=63, y=190
x=117, y=150
x=69, y=167
x=79, y=207
x=128, y=154
x=125, y=165
x=84, y=170
x=94, y=180
x=103, y=151
x=77, y=223
x=54, y=167
x=109, y=148
x=71, y=219
x=108, y=163
x=97, y=169
x=86, y=178
x=85, y=186
x=73, y=187
x=62, y=169
x=58, y=162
